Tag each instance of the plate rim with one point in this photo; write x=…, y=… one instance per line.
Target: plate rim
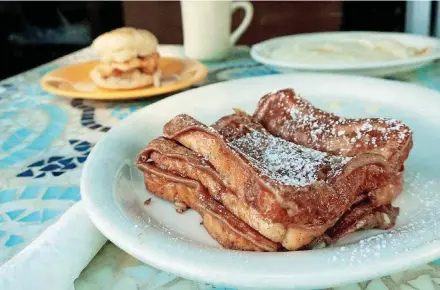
x=257, y=56
x=413, y=258
x=113, y=95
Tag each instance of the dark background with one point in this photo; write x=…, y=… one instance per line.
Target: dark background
x=33, y=33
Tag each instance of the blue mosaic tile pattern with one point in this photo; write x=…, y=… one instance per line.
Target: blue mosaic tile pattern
x=45, y=140
x=88, y=116
x=58, y=165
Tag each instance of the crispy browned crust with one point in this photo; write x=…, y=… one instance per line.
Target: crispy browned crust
x=362, y=216
x=292, y=118
x=309, y=210
x=173, y=157
x=244, y=208
x=223, y=226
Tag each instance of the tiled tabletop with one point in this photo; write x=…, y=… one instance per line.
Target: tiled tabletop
x=45, y=140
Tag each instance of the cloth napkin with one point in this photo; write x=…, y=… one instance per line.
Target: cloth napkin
x=57, y=257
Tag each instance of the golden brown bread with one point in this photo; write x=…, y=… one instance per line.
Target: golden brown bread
x=173, y=157
x=306, y=205
x=224, y=227
x=287, y=115
x=318, y=179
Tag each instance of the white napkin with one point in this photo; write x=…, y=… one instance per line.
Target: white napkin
x=57, y=257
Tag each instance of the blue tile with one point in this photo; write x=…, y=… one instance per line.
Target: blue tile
x=2, y=234
x=58, y=120
x=32, y=217
x=88, y=123
x=23, y=154
x=82, y=147
x=86, y=117
x=123, y=116
x=81, y=159
x=27, y=173
x=58, y=173
x=16, y=157
x=8, y=115
x=30, y=192
x=49, y=214
x=436, y=262
x=66, y=161
x=14, y=214
x=16, y=139
x=105, y=129
x=13, y=241
x=41, y=175
x=7, y=195
x=23, y=132
x=73, y=141
x=71, y=193
x=50, y=167
x=53, y=192
x=55, y=158
x=69, y=166
x=97, y=126
x=37, y=164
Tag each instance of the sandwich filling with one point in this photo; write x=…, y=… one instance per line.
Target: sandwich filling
x=148, y=64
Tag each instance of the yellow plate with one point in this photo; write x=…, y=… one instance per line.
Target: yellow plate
x=74, y=81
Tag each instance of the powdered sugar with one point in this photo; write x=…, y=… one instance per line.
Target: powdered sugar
x=346, y=135
x=420, y=227
x=287, y=162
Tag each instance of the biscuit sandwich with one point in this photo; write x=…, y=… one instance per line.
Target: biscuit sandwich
x=129, y=59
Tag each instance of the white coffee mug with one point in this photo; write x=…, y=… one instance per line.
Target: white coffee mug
x=207, y=27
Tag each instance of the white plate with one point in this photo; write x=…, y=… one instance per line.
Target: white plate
x=113, y=189
x=262, y=52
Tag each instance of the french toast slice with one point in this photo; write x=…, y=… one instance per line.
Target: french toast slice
x=173, y=157
x=304, y=189
x=287, y=115
x=228, y=230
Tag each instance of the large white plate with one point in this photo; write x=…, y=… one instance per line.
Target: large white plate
x=113, y=189
x=262, y=52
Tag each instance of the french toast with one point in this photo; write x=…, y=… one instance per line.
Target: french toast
x=287, y=115
x=304, y=189
x=166, y=156
x=290, y=176
x=173, y=157
x=228, y=230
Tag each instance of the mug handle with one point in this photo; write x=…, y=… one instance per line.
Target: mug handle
x=248, y=14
